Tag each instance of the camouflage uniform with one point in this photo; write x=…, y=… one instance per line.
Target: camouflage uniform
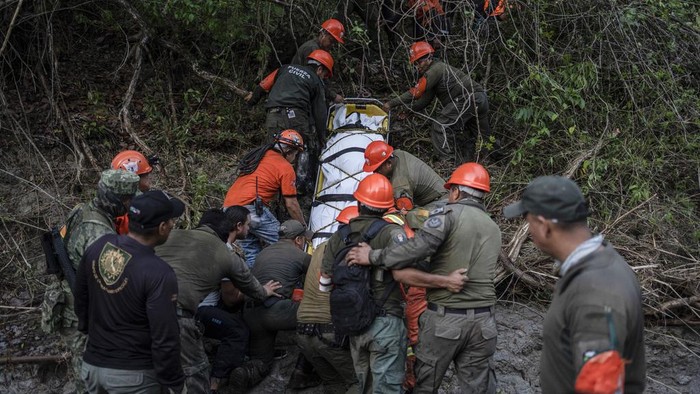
x=86, y=223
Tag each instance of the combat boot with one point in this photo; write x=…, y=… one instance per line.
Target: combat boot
x=248, y=375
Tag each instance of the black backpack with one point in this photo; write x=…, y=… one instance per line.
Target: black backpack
x=353, y=308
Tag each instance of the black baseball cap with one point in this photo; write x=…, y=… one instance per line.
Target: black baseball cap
x=293, y=228
x=555, y=197
x=153, y=207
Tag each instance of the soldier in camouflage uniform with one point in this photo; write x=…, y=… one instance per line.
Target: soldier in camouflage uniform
x=456, y=327
x=86, y=223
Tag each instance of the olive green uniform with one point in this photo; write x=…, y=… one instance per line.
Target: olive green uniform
x=301, y=58
x=457, y=327
x=316, y=337
x=576, y=326
x=414, y=179
x=379, y=354
x=464, y=106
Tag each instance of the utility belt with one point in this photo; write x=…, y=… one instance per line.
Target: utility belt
x=290, y=111
x=458, y=311
x=318, y=329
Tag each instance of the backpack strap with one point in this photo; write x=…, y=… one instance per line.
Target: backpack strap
x=374, y=229
x=367, y=236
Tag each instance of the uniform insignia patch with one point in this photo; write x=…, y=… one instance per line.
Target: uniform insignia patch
x=112, y=262
x=399, y=238
x=437, y=210
x=434, y=222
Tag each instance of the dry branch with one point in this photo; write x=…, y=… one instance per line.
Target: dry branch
x=124, y=115
x=9, y=28
x=10, y=359
x=520, y=235
x=180, y=51
x=675, y=304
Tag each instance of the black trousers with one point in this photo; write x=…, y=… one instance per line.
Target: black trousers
x=233, y=333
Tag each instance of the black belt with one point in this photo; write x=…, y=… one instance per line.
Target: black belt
x=458, y=311
x=184, y=313
x=277, y=110
x=311, y=329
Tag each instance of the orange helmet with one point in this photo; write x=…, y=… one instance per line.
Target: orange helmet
x=335, y=29
x=419, y=50
x=290, y=137
x=324, y=58
x=350, y=212
x=375, y=191
x=470, y=174
x=376, y=153
x=132, y=161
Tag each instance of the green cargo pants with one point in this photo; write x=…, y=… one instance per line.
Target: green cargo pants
x=379, y=355
x=467, y=340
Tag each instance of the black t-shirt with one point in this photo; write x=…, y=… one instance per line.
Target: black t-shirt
x=125, y=301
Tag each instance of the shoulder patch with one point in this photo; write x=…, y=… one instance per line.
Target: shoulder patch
x=437, y=211
x=399, y=238
x=434, y=221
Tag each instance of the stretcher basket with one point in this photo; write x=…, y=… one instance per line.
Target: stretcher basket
x=352, y=125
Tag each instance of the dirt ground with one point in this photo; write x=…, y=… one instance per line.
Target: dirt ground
x=673, y=356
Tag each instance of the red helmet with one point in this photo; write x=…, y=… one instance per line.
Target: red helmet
x=350, y=212
x=290, y=137
x=324, y=58
x=132, y=161
x=470, y=174
x=375, y=191
x=376, y=153
x=420, y=49
x=335, y=29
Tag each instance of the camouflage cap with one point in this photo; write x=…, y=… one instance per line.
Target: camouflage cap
x=120, y=182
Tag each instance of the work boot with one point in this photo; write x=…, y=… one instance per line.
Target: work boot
x=248, y=375
x=301, y=380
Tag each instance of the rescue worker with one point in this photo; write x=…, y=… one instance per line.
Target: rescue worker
x=593, y=334
x=86, y=223
x=201, y=260
x=272, y=174
x=456, y=327
x=431, y=23
x=125, y=299
x=415, y=184
x=220, y=313
x=465, y=106
x=326, y=351
x=133, y=161
x=286, y=262
x=379, y=353
x=297, y=101
x=332, y=32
